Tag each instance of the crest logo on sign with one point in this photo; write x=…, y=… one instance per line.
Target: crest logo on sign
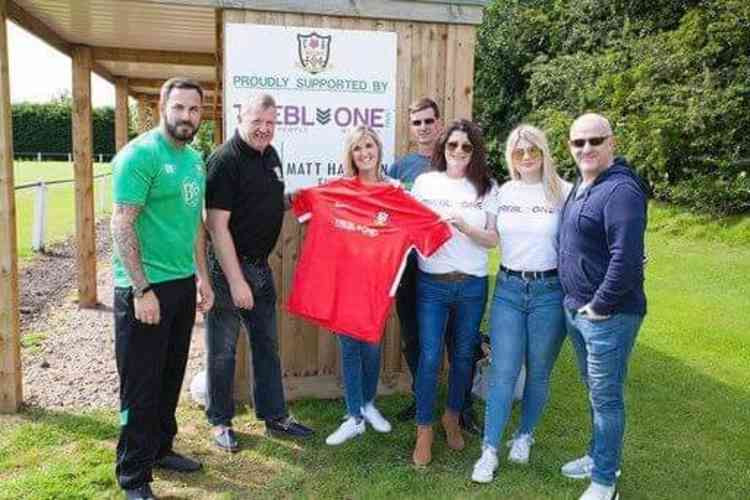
x=314, y=51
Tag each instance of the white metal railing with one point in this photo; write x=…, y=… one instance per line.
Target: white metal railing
x=40, y=215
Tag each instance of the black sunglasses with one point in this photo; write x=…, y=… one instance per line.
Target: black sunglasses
x=594, y=141
x=426, y=121
x=466, y=147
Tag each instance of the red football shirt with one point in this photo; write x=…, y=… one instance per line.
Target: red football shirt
x=355, y=251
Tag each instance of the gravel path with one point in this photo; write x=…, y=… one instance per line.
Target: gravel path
x=74, y=366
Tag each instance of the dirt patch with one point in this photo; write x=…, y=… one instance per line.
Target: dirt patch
x=72, y=363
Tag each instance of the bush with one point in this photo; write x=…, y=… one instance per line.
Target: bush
x=673, y=78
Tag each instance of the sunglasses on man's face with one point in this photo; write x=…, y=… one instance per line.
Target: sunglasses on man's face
x=519, y=154
x=466, y=147
x=426, y=121
x=594, y=141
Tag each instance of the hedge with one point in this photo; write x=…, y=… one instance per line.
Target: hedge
x=46, y=128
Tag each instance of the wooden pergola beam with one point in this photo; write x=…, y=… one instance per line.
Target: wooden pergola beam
x=83, y=168
x=153, y=56
x=156, y=83
x=11, y=393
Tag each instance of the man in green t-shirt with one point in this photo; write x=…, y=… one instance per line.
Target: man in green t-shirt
x=158, y=264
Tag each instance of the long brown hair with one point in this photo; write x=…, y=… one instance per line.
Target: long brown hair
x=477, y=171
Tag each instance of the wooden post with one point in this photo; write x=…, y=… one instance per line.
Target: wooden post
x=218, y=86
x=143, y=122
x=11, y=394
x=121, y=112
x=153, y=109
x=84, y=176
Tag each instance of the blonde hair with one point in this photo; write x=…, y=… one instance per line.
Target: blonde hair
x=355, y=135
x=551, y=181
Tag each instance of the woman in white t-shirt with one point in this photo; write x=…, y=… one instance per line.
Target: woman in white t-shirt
x=454, y=279
x=527, y=324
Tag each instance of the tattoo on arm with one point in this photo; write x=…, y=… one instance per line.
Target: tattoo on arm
x=126, y=242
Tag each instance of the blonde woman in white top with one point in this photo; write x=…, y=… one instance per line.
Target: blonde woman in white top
x=527, y=323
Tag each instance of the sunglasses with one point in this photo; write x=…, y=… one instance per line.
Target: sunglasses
x=426, y=121
x=466, y=147
x=594, y=141
x=520, y=153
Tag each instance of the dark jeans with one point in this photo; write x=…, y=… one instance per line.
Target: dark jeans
x=151, y=363
x=435, y=300
x=360, y=365
x=222, y=329
x=406, y=307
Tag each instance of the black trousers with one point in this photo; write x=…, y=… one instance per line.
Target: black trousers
x=406, y=307
x=151, y=362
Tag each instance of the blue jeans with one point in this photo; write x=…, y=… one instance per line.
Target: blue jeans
x=437, y=299
x=360, y=365
x=602, y=352
x=222, y=329
x=527, y=324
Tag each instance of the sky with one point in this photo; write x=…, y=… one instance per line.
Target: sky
x=38, y=72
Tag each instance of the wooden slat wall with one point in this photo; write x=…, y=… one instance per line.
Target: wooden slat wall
x=434, y=60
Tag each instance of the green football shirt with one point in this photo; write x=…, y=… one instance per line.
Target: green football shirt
x=168, y=183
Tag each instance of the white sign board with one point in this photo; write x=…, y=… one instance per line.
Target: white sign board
x=324, y=81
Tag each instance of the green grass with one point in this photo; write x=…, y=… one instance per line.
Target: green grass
x=60, y=200
x=688, y=436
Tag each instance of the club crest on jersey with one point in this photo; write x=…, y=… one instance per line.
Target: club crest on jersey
x=381, y=218
x=191, y=193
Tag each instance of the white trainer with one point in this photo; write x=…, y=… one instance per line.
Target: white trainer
x=349, y=429
x=520, y=448
x=581, y=468
x=484, y=469
x=373, y=417
x=597, y=491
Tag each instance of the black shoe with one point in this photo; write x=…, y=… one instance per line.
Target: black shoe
x=142, y=493
x=226, y=441
x=178, y=463
x=288, y=427
x=468, y=423
x=408, y=413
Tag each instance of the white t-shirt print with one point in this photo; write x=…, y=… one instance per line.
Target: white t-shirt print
x=446, y=195
x=528, y=226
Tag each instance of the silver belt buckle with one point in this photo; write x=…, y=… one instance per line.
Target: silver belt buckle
x=525, y=273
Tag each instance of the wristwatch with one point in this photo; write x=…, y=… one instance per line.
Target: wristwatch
x=139, y=292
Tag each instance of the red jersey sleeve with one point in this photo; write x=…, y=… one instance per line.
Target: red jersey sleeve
x=302, y=204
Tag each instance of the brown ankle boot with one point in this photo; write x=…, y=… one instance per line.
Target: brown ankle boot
x=423, y=449
x=452, y=430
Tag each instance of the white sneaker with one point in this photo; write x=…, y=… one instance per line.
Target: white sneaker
x=349, y=429
x=373, y=417
x=484, y=469
x=520, y=448
x=581, y=468
x=597, y=491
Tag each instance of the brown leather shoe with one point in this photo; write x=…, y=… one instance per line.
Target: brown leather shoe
x=423, y=449
x=452, y=430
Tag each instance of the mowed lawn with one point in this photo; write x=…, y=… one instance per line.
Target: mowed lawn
x=60, y=200
x=688, y=434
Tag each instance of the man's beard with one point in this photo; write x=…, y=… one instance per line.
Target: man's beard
x=173, y=131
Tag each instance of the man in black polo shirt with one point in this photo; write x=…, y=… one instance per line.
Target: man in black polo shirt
x=245, y=203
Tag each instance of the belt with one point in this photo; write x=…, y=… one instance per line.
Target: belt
x=451, y=277
x=529, y=275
